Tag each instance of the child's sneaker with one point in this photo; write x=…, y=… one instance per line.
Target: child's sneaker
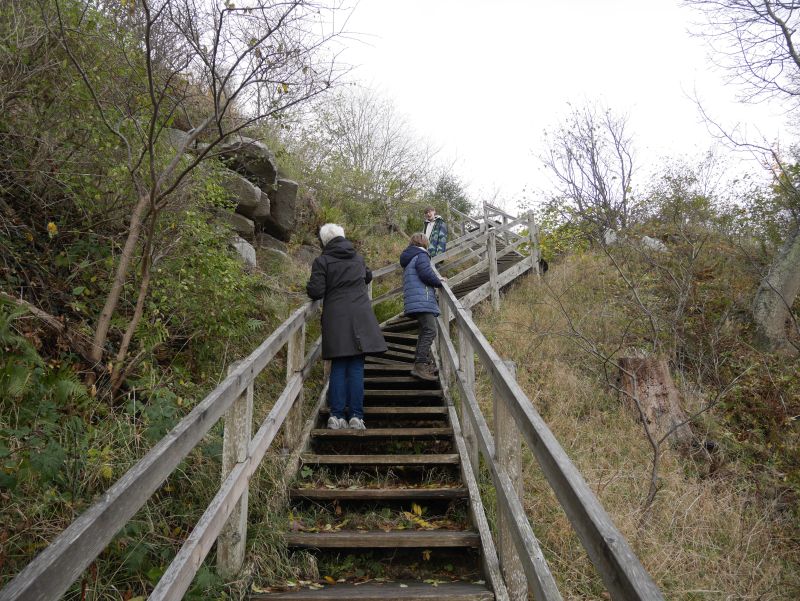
x=356, y=423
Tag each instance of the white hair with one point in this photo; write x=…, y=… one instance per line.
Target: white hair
x=329, y=231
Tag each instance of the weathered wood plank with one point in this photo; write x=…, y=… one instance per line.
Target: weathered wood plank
x=387, y=295
x=236, y=436
x=431, y=459
x=491, y=565
x=55, y=568
x=397, y=411
x=504, y=278
x=508, y=454
x=295, y=351
x=393, y=363
x=494, y=286
x=383, y=433
x=400, y=539
x=403, y=348
x=379, y=494
x=392, y=366
x=400, y=336
x=395, y=380
x=463, y=276
x=466, y=361
x=388, y=591
x=421, y=392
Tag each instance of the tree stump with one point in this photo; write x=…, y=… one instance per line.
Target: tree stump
x=648, y=380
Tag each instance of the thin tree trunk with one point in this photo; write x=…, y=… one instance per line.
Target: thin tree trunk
x=144, y=286
x=776, y=294
x=104, y=321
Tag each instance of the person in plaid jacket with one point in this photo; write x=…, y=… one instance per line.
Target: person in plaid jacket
x=436, y=232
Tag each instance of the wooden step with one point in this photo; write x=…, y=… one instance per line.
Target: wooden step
x=385, y=361
x=403, y=348
x=378, y=539
x=361, y=460
x=408, y=394
x=395, y=380
x=383, y=433
x=401, y=327
x=386, y=591
x=379, y=494
x=401, y=337
x=397, y=411
x=398, y=356
x=387, y=367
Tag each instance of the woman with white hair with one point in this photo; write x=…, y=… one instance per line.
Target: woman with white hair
x=350, y=329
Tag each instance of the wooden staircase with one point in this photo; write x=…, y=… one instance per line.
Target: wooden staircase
x=405, y=463
x=505, y=262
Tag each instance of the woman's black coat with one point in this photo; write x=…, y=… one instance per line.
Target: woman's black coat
x=349, y=327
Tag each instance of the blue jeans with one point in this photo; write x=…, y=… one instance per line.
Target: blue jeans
x=346, y=386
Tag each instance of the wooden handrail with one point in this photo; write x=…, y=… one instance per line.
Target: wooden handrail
x=536, y=569
x=620, y=569
x=51, y=573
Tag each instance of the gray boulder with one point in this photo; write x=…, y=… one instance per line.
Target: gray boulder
x=306, y=254
x=246, y=196
x=175, y=138
x=241, y=224
x=610, y=237
x=654, y=244
x=264, y=240
x=282, y=219
x=252, y=159
x=261, y=212
x=245, y=250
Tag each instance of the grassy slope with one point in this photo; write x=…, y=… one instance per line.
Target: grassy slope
x=714, y=532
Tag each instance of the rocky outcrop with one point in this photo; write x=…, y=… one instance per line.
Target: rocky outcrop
x=243, y=192
x=252, y=159
x=264, y=240
x=266, y=205
x=306, y=254
x=282, y=217
x=241, y=224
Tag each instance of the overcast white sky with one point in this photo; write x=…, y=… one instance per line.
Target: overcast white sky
x=482, y=80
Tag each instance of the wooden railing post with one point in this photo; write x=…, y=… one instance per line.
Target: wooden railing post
x=508, y=451
x=236, y=436
x=533, y=242
x=466, y=362
x=369, y=289
x=295, y=354
x=444, y=334
x=491, y=251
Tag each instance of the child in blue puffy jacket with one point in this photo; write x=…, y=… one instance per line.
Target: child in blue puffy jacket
x=419, y=301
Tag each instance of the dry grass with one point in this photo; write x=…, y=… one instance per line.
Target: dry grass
x=708, y=535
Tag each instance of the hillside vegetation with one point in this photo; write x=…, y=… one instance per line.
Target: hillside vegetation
x=724, y=524
x=122, y=301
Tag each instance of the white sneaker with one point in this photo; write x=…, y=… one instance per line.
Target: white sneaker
x=356, y=423
x=337, y=423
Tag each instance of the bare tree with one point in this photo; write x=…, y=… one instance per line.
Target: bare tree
x=591, y=159
x=363, y=133
x=756, y=41
x=218, y=67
